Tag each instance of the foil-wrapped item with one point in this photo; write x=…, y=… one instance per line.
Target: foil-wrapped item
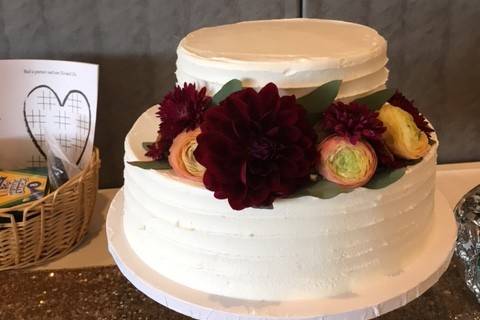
x=467, y=214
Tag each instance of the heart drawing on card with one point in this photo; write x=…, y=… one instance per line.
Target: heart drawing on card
x=69, y=120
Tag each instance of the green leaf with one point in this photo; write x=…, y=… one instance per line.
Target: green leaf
x=376, y=100
x=384, y=178
x=228, y=88
x=146, y=144
x=317, y=101
x=151, y=164
x=323, y=189
x=413, y=161
x=313, y=118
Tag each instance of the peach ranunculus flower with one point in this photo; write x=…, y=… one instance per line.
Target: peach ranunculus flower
x=402, y=137
x=181, y=156
x=346, y=164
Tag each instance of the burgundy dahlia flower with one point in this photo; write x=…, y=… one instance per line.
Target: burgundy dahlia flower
x=399, y=100
x=353, y=120
x=181, y=109
x=256, y=147
x=385, y=157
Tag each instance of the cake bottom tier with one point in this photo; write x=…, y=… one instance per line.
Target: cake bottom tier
x=303, y=248
x=286, y=255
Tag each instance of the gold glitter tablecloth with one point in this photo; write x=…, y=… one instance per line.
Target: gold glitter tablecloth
x=103, y=293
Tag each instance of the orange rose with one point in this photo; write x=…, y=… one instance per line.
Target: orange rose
x=181, y=156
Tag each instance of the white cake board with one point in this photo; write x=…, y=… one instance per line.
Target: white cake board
x=367, y=304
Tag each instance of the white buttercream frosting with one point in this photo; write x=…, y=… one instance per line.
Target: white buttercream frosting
x=298, y=55
x=303, y=248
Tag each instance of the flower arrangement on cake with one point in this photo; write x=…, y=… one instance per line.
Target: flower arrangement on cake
x=252, y=147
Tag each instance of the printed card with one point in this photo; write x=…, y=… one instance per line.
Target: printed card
x=40, y=98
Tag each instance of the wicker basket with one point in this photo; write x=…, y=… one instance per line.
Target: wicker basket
x=48, y=228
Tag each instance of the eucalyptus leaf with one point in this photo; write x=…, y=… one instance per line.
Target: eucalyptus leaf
x=377, y=99
x=270, y=207
x=145, y=145
x=313, y=118
x=413, y=161
x=384, y=178
x=151, y=164
x=317, y=101
x=321, y=133
x=228, y=88
x=323, y=189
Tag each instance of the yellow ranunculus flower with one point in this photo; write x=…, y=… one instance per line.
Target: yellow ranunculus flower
x=402, y=137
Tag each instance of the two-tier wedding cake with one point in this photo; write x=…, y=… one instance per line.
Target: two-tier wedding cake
x=317, y=182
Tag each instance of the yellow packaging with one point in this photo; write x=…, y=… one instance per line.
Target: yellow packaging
x=20, y=186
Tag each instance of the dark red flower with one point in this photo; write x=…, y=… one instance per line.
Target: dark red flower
x=352, y=120
x=181, y=109
x=399, y=100
x=385, y=157
x=256, y=147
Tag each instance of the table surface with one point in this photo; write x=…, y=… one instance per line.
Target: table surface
x=86, y=284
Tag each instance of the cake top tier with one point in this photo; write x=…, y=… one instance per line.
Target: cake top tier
x=298, y=55
x=335, y=43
